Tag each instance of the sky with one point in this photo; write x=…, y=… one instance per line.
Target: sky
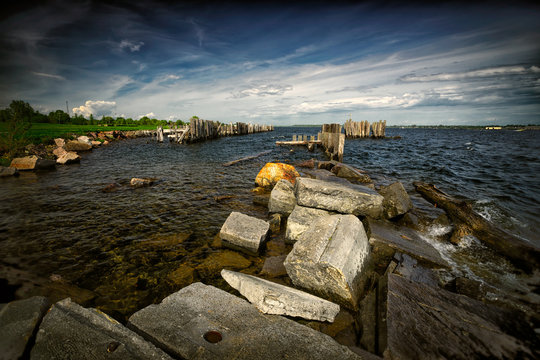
x=286, y=64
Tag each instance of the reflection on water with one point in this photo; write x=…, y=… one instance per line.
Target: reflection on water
x=132, y=247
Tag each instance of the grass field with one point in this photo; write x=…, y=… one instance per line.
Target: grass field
x=44, y=132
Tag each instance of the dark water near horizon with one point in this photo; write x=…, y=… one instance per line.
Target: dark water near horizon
x=122, y=244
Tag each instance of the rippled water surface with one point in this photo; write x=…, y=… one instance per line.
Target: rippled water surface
x=124, y=244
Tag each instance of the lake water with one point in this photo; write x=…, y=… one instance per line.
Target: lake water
x=124, y=244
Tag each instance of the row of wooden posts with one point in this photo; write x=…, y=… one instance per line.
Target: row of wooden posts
x=200, y=130
x=362, y=129
x=333, y=141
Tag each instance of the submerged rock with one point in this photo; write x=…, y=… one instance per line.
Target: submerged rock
x=350, y=173
x=71, y=331
x=282, y=198
x=396, y=200
x=141, y=182
x=244, y=232
x=273, y=266
x=32, y=163
x=18, y=322
x=343, y=198
x=272, y=298
x=213, y=264
x=330, y=259
x=203, y=322
x=271, y=173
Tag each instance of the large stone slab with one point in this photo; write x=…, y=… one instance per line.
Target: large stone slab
x=343, y=198
x=300, y=220
x=386, y=238
x=277, y=299
x=75, y=145
x=244, y=232
x=423, y=322
x=70, y=331
x=325, y=175
x=235, y=329
x=282, y=198
x=32, y=163
x=396, y=200
x=18, y=324
x=330, y=259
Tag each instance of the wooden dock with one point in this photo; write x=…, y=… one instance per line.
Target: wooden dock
x=201, y=130
x=330, y=138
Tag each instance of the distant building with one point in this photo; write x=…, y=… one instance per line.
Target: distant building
x=493, y=127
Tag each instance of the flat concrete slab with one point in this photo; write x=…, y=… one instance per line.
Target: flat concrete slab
x=300, y=220
x=70, y=331
x=18, y=323
x=282, y=199
x=330, y=259
x=277, y=299
x=342, y=198
x=386, y=237
x=204, y=322
x=244, y=232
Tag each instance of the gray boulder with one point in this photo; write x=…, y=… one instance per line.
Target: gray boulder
x=300, y=220
x=330, y=259
x=350, y=173
x=7, y=171
x=18, y=324
x=325, y=175
x=272, y=298
x=70, y=331
x=282, y=198
x=203, y=322
x=396, y=200
x=342, y=198
x=244, y=232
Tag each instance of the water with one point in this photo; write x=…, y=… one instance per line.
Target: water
x=123, y=245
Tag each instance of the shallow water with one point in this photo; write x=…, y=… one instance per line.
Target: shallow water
x=123, y=245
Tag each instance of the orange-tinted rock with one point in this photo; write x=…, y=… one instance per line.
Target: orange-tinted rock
x=271, y=173
x=32, y=163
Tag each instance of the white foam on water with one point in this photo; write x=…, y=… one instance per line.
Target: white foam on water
x=438, y=230
x=446, y=249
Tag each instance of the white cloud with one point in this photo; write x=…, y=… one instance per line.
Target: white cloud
x=483, y=73
x=150, y=115
x=50, y=76
x=172, y=77
x=403, y=101
x=97, y=108
x=263, y=90
x=132, y=46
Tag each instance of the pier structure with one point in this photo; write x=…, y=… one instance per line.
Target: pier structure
x=363, y=129
x=201, y=130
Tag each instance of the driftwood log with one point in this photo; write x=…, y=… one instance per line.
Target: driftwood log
x=247, y=158
x=520, y=252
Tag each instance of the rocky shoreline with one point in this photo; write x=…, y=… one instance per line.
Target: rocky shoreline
x=65, y=151
x=359, y=282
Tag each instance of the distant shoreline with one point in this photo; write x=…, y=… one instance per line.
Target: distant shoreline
x=468, y=127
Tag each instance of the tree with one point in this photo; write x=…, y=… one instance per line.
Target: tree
x=59, y=117
x=18, y=122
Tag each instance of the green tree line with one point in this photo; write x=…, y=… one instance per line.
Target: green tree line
x=23, y=112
